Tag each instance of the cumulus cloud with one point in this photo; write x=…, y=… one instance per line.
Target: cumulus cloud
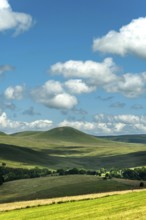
x=98, y=73
x=10, y=126
x=130, y=39
x=10, y=19
x=130, y=85
x=110, y=124
x=77, y=86
x=52, y=95
x=81, y=125
x=104, y=75
x=62, y=101
x=14, y=92
x=5, y=68
x=122, y=123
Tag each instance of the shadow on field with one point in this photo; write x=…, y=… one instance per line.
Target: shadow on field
x=25, y=155
x=64, y=158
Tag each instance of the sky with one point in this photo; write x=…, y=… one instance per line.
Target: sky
x=73, y=63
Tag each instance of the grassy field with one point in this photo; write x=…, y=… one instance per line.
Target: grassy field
x=68, y=148
x=58, y=186
x=130, y=206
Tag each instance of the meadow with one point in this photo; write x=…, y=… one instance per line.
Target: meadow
x=114, y=207
x=59, y=186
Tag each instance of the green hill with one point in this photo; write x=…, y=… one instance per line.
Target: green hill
x=68, y=134
x=67, y=147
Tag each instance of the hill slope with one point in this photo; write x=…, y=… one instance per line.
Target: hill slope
x=66, y=147
x=57, y=186
x=68, y=134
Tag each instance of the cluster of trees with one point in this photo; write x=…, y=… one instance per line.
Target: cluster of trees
x=9, y=174
x=76, y=171
x=135, y=174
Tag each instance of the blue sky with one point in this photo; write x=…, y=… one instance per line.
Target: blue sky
x=73, y=63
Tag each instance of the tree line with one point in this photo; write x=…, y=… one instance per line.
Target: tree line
x=9, y=173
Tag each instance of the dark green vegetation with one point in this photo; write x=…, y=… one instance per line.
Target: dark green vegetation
x=67, y=148
x=9, y=174
x=117, y=207
x=57, y=186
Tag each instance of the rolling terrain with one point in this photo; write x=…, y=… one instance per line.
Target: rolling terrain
x=58, y=186
x=66, y=147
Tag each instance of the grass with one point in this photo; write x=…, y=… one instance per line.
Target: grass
x=57, y=186
x=68, y=148
x=130, y=206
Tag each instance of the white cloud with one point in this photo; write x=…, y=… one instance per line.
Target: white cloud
x=77, y=86
x=52, y=95
x=4, y=4
x=111, y=124
x=100, y=128
x=102, y=125
x=130, y=39
x=14, y=92
x=13, y=20
x=11, y=126
x=81, y=125
x=97, y=73
x=102, y=75
x=130, y=85
x=120, y=124
x=62, y=101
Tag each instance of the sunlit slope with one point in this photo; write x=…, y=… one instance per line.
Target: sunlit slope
x=130, y=206
x=67, y=148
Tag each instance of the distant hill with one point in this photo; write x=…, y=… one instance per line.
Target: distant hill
x=25, y=133
x=135, y=138
x=68, y=134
